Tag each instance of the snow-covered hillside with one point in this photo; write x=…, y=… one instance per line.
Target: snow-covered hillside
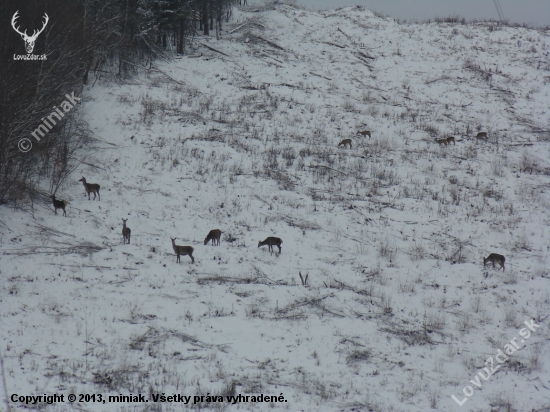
x=398, y=312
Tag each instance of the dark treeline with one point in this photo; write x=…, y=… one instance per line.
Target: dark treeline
x=82, y=40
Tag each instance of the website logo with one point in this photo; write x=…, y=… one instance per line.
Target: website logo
x=29, y=40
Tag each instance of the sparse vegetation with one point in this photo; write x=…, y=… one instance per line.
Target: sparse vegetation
x=383, y=277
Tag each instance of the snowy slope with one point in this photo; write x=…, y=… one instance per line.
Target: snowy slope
x=398, y=313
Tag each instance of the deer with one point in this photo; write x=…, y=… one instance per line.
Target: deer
x=59, y=204
x=495, y=257
x=345, y=142
x=451, y=139
x=481, y=135
x=126, y=232
x=213, y=235
x=182, y=251
x=365, y=133
x=90, y=188
x=29, y=40
x=442, y=142
x=272, y=241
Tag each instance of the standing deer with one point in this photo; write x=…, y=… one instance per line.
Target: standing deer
x=365, y=133
x=481, y=135
x=442, y=142
x=90, y=188
x=495, y=257
x=126, y=232
x=213, y=235
x=345, y=142
x=182, y=251
x=272, y=241
x=59, y=204
x=451, y=139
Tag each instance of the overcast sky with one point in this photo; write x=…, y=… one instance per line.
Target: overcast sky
x=535, y=12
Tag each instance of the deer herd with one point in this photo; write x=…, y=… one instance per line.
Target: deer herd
x=451, y=139
x=215, y=234
x=442, y=142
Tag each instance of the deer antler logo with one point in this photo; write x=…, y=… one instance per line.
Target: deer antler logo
x=29, y=40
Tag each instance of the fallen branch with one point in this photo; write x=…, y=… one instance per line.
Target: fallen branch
x=270, y=42
x=49, y=231
x=320, y=75
x=326, y=167
x=347, y=35
x=273, y=63
x=213, y=49
x=81, y=266
x=271, y=57
x=80, y=249
x=334, y=44
x=252, y=87
x=304, y=302
x=368, y=85
x=362, y=56
x=366, y=56
x=288, y=85
x=237, y=28
x=365, y=63
x=438, y=79
x=155, y=69
x=167, y=75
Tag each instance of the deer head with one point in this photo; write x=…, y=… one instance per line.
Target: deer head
x=29, y=40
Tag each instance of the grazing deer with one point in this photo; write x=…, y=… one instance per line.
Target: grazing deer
x=213, y=235
x=365, y=133
x=126, y=232
x=442, y=142
x=481, y=135
x=182, y=251
x=271, y=241
x=495, y=257
x=451, y=139
x=59, y=204
x=345, y=142
x=90, y=187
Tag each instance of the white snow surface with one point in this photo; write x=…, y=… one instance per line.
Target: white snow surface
x=398, y=313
